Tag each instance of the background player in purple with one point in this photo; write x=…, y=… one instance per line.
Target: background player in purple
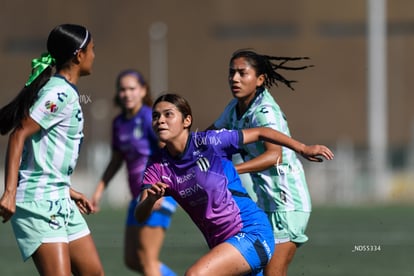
x=133, y=141
x=194, y=169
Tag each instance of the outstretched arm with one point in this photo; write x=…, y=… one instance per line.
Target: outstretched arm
x=270, y=157
x=267, y=134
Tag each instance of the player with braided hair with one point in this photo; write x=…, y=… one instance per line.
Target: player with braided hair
x=265, y=64
x=278, y=178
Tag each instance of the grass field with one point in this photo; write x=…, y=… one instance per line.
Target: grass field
x=343, y=241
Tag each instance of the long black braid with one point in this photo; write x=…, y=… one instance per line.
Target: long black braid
x=264, y=65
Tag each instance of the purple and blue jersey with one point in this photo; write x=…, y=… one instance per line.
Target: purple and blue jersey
x=136, y=141
x=206, y=185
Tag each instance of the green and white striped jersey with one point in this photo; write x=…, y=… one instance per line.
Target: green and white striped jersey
x=50, y=155
x=279, y=188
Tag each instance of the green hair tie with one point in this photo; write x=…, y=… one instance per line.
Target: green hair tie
x=39, y=65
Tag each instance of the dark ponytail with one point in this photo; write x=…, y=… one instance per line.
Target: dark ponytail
x=63, y=43
x=14, y=112
x=269, y=66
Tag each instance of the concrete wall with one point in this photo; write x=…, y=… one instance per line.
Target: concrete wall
x=330, y=99
x=329, y=103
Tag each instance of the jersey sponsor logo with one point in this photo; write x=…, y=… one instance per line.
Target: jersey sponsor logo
x=203, y=164
x=187, y=177
x=187, y=192
x=51, y=106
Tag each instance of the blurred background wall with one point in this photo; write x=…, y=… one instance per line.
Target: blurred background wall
x=184, y=47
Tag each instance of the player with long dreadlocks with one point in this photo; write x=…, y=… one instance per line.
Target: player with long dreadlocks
x=278, y=178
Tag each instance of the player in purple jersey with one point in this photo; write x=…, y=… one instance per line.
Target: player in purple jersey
x=133, y=141
x=194, y=169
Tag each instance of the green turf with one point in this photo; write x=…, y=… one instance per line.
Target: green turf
x=386, y=233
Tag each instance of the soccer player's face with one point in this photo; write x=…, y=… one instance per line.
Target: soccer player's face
x=88, y=57
x=131, y=93
x=168, y=122
x=243, y=80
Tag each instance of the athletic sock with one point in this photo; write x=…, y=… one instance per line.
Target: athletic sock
x=166, y=271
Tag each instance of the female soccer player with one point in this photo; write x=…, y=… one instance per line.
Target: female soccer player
x=194, y=169
x=277, y=174
x=46, y=124
x=133, y=141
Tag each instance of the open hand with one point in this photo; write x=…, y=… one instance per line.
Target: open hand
x=315, y=153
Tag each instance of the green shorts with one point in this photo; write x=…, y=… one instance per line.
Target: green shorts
x=289, y=226
x=46, y=221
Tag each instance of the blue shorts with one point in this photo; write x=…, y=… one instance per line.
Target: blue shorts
x=256, y=244
x=158, y=218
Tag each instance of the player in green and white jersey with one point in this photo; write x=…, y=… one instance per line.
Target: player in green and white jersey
x=291, y=192
x=277, y=175
x=46, y=122
x=49, y=158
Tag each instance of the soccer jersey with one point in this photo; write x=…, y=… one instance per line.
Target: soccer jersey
x=282, y=187
x=50, y=155
x=135, y=140
x=207, y=186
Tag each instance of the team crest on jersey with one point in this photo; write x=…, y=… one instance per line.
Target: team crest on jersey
x=51, y=106
x=54, y=223
x=138, y=128
x=137, y=132
x=203, y=164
